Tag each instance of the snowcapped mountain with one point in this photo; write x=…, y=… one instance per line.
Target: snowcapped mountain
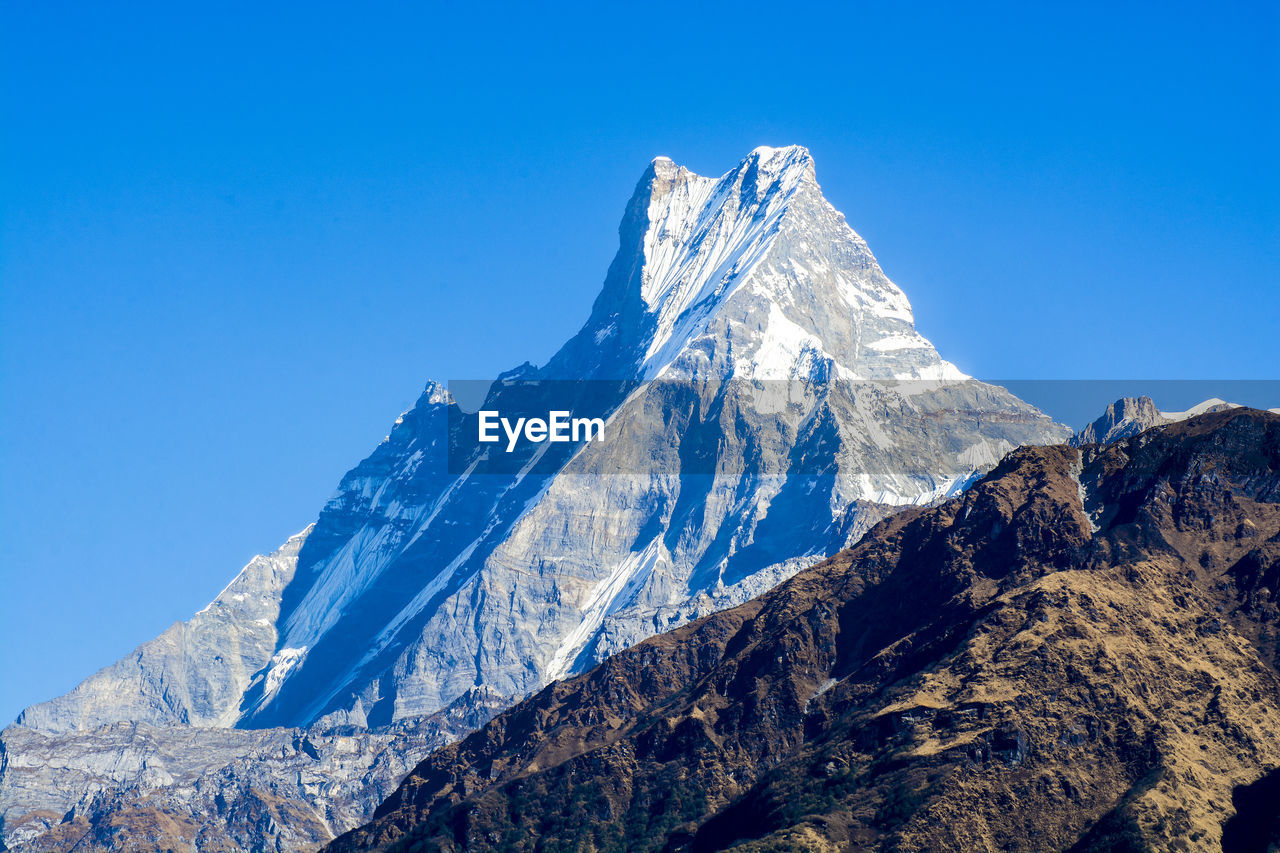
x=768, y=399
x=752, y=274
x=418, y=585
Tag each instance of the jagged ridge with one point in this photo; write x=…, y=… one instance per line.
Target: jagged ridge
x=1078, y=654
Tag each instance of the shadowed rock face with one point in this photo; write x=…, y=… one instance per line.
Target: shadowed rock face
x=1256, y=824
x=1077, y=654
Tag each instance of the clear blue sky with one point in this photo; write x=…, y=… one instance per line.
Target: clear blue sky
x=235, y=241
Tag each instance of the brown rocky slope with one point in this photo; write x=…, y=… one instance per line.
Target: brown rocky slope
x=1077, y=654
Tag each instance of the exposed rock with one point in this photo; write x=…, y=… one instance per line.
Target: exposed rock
x=135, y=786
x=1126, y=417
x=769, y=399
x=196, y=672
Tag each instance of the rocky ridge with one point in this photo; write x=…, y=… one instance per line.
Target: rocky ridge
x=140, y=787
x=1080, y=653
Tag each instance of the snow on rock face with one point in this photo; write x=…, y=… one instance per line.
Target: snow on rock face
x=759, y=261
x=1213, y=404
x=706, y=236
x=418, y=584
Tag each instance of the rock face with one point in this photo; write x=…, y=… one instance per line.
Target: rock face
x=1077, y=654
x=196, y=672
x=768, y=399
x=1126, y=417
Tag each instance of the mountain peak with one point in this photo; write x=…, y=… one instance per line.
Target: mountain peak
x=765, y=157
x=776, y=160
x=1125, y=417
x=1213, y=404
x=437, y=584
x=751, y=274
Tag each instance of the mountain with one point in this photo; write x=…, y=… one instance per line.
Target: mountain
x=766, y=399
x=1078, y=654
x=1126, y=417
x=1129, y=416
x=420, y=583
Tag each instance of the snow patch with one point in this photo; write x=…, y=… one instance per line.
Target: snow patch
x=1199, y=409
x=282, y=663
x=608, y=595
